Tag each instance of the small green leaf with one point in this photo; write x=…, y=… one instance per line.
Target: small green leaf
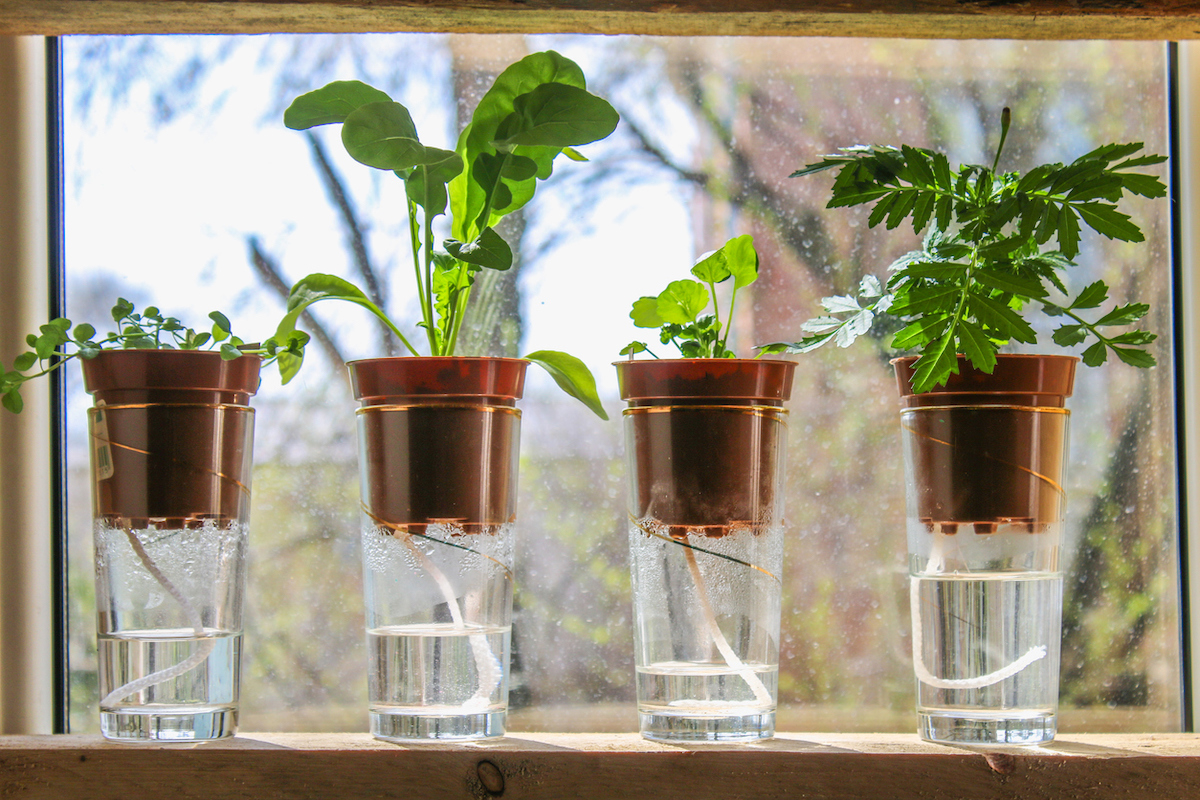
x=1010, y=283
x=331, y=103
x=1095, y=355
x=1070, y=335
x=83, y=332
x=645, y=313
x=557, y=115
x=682, y=301
x=221, y=321
x=229, y=352
x=1124, y=315
x=976, y=346
x=12, y=401
x=572, y=376
x=489, y=250
x=1135, y=358
x=741, y=259
x=634, y=347
x=382, y=135
x=1092, y=296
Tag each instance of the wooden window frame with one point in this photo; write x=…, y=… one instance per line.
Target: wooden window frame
x=624, y=765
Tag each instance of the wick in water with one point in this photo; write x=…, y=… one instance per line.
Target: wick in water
x=183, y=667
x=936, y=564
x=731, y=658
x=486, y=662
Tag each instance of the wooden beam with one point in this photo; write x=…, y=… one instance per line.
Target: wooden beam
x=599, y=767
x=963, y=19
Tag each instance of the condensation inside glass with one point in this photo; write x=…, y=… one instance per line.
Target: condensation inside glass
x=185, y=191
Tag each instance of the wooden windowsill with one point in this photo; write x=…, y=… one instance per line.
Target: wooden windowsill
x=962, y=19
x=586, y=766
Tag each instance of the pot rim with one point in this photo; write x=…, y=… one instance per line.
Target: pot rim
x=378, y=379
x=1037, y=379
x=764, y=379
x=145, y=370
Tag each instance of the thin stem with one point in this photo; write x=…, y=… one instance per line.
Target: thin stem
x=424, y=292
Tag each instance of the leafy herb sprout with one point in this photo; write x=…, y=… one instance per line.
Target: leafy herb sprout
x=677, y=310
x=58, y=342
x=537, y=109
x=997, y=242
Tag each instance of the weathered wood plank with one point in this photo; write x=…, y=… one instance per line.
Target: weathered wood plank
x=1023, y=19
x=554, y=766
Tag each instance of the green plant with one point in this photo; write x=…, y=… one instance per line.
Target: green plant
x=676, y=310
x=537, y=109
x=988, y=254
x=145, y=330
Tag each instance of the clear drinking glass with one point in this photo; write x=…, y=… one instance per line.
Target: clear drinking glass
x=171, y=501
x=985, y=523
x=705, y=442
x=438, y=447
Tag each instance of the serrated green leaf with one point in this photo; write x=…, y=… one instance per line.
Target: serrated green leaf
x=1092, y=296
x=921, y=332
x=998, y=316
x=1070, y=335
x=881, y=209
x=1135, y=358
x=901, y=209
x=1108, y=221
x=938, y=360
x=976, y=346
x=1134, y=338
x=1095, y=355
x=1010, y=283
x=1068, y=232
x=1123, y=315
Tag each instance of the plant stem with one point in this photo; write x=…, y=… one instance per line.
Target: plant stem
x=424, y=291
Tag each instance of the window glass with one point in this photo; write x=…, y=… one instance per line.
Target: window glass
x=186, y=191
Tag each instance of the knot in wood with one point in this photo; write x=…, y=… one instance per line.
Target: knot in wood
x=491, y=777
x=1001, y=763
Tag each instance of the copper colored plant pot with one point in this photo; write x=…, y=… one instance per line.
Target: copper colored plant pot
x=988, y=450
x=705, y=440
x=439, y=440
x=171, y=435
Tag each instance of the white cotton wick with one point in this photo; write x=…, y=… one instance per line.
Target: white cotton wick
x=187, y=665
x=1036, y=653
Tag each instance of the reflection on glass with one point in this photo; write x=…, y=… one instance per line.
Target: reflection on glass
x=185, y=189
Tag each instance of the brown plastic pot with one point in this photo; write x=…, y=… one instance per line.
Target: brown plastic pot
x=705, y=441
x=988, y=450
x=439, y=440
x=171, y=434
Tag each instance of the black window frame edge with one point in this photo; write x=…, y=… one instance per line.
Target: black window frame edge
x=1175, y=181
x=56, y=278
